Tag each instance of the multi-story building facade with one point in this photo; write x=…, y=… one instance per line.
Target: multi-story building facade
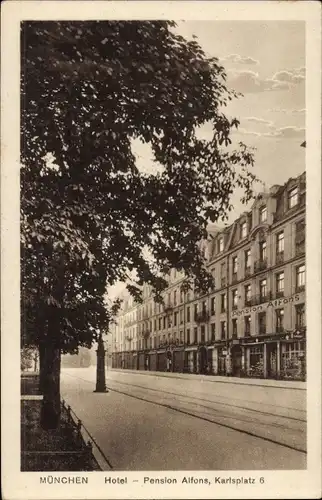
x=253, y=322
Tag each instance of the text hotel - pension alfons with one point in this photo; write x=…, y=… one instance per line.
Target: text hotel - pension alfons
x=252, y=324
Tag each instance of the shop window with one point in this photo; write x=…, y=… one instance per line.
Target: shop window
x=262, y=323
x=279, y=315
x=223, y=329
x=256, y=362
x=263, y=214
x=293, y=361
x=234, y=327
x=300, y=278
x=247, y=323
x=300, y=316
x=293, y=197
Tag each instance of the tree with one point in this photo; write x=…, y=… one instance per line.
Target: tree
x=88, y=89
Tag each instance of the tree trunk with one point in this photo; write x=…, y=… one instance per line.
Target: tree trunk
x=50, y=411
x=42, y=367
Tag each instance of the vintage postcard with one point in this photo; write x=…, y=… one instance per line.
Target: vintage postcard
x=161, y=250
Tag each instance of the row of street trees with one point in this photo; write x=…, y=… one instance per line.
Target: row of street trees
x=88, y=89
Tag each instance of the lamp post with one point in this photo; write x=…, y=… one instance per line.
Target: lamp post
x=100, y=367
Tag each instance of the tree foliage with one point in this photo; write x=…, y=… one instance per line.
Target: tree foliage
x=88, y=90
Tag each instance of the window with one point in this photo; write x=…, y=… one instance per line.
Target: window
x=195, y=311
x=223, y=302
x=213, y=331
x=247, y=295
x=175, y=319
x=188, y=314
x=160, y=323
x=234, y=325
x=279, y=320
x=181, y=296
x=164, y=318
x=175, y=298
x=263, y=289
x=247, y=325
x=204, y=307
x=181, y=339
x=195, y=334
x=293, y=197
x=263, y=214
x=223, y=274
x=280, y=242
x=221, y=245
x=262, y=251
x=262, y=322
x=243, y=228
x=188, y=335
x=155, y=325
x=235, y=298
x=223, y=329
x=300, y=316
x=188, y=296
x=247, y=260
x=234, y=265
x=280, y=284
x=202, y=333
x=300, y=278
x=181, y=316
x=213, y=305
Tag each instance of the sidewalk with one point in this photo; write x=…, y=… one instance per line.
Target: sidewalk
x=280, y=384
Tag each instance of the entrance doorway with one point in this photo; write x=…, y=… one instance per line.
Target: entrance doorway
x=271, y=350
x=203, y=360
x=236, y=354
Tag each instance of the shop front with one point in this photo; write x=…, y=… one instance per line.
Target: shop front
x=178, y=360
x=161, y=360
x=293, y=360
x=153, y=361
x=222, y=353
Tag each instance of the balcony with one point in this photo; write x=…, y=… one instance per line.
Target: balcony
x=248, y=302
x=279, y=257
x=202, y=317
x=168, y=308
x=260, y=265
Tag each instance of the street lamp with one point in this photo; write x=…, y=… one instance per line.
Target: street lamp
x=100, y=367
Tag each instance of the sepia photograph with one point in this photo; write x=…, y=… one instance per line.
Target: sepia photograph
x=163, y=288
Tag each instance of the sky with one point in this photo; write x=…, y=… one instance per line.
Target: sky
x=265, y=61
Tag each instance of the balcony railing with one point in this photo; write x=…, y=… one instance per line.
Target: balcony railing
x=168, y=308
x=235, y=306
x=202, y=317
x=260, y=265
x=300, y=288
x=248, y=302
x=280, y=329
x=262, y=329
x=279, y=294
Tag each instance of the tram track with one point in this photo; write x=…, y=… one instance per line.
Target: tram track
x=208, y=417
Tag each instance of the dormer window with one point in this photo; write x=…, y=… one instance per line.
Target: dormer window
x=221, y=245
x=263, y=214
x=293, y=197
x=244, y=229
